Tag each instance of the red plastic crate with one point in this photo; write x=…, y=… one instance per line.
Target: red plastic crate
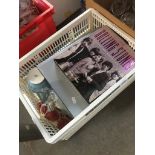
x=40, y=28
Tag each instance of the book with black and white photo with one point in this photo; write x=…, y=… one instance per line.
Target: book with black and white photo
x=96, y=62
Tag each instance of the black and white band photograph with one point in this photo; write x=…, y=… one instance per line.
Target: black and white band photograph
x=89, y=68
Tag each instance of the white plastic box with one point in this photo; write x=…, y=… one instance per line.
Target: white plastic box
x=85, y=23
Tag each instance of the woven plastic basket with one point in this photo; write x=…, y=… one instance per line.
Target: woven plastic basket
x=83, y=24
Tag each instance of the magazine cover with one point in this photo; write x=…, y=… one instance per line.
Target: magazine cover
x=96, y=62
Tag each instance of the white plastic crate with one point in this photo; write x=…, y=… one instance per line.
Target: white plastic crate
x=85, y=23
